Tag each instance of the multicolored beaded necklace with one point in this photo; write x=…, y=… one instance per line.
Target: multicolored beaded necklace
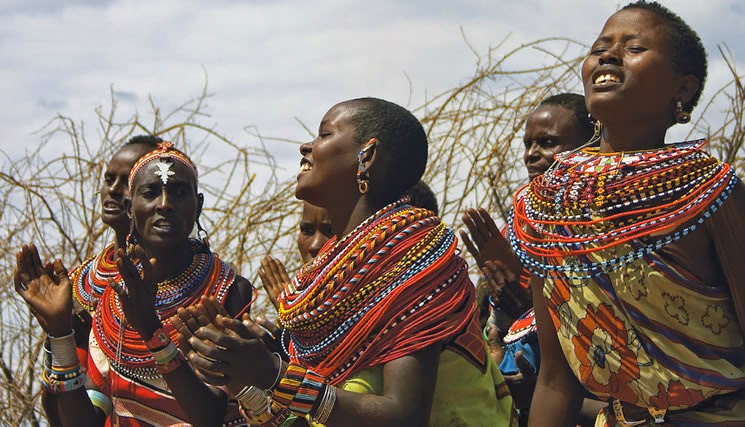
x=589, y=202
x=358, y=304
x=127, y=353
x=91, y=278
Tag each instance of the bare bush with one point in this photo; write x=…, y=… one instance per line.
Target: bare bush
x=475, y=133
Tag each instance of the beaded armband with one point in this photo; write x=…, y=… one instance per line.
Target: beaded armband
x=61, y=365
x=159, y=340
x=165, y=353
x=298, y=390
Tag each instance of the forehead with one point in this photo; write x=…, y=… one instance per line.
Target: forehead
x=313, y=214
x=636, y=22
x=151, y=174
x=127, y=156
x=553, y=117
x=341, y=113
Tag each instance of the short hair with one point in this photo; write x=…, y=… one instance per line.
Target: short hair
x=689, y=54
x=422, y=196
x=402, y=145
x=575, y=103
x=150, y=141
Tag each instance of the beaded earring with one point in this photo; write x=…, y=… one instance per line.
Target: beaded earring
x=202, y=234
x=681, y=116
x=362, y=177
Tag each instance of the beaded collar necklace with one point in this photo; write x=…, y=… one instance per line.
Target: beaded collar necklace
x=376, y=278
x=92, y=277
x=123, y=346
x=590, y=202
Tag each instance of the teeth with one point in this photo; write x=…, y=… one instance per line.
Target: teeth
x=304, y=167
x=607, y=78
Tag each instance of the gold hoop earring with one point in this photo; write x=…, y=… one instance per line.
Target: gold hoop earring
x=362, y=185
x=681, y=116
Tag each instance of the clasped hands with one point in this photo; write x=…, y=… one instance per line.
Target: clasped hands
x=225, y=351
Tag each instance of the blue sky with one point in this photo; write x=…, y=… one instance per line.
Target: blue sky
x=272, y=62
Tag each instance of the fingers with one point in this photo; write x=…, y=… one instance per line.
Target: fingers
x=214, y=307
x=471, y=248
x=489, y=225
x=268, y=326
x=35, y=260
x=215, y=338
x=60, y=272
x=277, y=269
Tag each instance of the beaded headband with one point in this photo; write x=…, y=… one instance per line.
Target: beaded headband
x=164, y=151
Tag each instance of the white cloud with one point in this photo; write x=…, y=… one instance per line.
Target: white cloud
x=271, y=61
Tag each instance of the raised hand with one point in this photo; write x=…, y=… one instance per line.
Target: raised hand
x=220, y=354
x=486, y=241
x=46, y=289
x=137, y=296
x=274, y=277
x=505, y=289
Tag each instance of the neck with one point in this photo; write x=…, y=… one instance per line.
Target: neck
x=345, y=217
x=120, y=241
x=171, y=261
x=632, y=136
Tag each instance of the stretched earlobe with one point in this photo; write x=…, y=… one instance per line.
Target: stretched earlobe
x=366, y=158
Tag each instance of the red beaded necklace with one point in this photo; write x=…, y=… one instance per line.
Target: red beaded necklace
x=123, y=346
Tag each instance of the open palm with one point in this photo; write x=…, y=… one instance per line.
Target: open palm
x=46, y=289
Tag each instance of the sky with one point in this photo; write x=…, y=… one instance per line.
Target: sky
x=273, y=64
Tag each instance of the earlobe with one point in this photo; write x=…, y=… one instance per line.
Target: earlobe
x=366, y=156
x=689, y=85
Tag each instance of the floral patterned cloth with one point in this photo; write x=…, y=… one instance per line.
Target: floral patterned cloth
x=651, y=335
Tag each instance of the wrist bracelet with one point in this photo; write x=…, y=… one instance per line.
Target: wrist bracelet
x=63, y=350
x=159, y=340
x=323, y=411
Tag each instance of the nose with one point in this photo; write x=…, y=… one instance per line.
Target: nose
x=164, y=203
x=610, y=55
x=317, y=243
x=532, y=153
x=118, y=187
x=305, y=148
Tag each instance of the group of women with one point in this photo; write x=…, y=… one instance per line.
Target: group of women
x=628, y=246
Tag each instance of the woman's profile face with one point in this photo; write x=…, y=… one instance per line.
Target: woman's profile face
x=629, y=74
x=329, y=164
x=115, y=189
x=164, y=203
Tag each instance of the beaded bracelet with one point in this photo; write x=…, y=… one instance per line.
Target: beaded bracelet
x=298, y=390
x=159, y=340
x=59, y=383
x=256, y=404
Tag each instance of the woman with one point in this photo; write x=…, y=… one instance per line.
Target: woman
x=315, y=231
x=90, y=278
x=136, y=369
x=560, y=123
x=641, y=299
x=381, y=327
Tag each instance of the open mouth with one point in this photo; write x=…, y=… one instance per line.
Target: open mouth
x=163, y=225
x=111, y=206
x=606, y=79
